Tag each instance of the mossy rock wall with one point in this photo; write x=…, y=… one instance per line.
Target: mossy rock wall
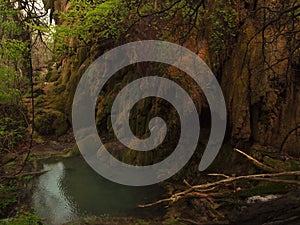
x=262, y=107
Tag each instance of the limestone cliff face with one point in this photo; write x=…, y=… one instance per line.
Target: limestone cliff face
x=262, y=91
x=262, y=101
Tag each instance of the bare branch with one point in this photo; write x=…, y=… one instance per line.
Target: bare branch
x=190, y=191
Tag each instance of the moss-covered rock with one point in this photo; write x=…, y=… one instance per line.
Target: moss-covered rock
x=51, y=122
x=42, y=124
x=280, y=165
x=60, y=124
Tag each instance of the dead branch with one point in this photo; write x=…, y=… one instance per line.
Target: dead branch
x=218, y=174
x=177, y=196
x=186, y=183
x=208, y=189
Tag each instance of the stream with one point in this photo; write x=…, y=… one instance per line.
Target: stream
x=72, y=190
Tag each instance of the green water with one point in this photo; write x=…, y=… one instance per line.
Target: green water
x=71, y=190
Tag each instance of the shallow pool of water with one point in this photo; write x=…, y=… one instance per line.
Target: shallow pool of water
x=71, y=190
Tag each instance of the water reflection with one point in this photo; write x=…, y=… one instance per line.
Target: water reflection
x=71, y=189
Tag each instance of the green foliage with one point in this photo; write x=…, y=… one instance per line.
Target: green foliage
x=12, y=131
x=27, y=178
x=12, y=50
x=220, y=26
x=12, y=80
x=223, y=27
x=11, y=163
x=8, y=92
x=88, y=22
x=25, y=218
x=8, y=197
x=31, y=158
